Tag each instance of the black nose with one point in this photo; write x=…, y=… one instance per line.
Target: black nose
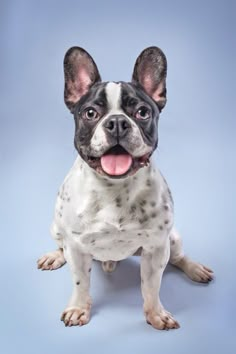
x=117, y=125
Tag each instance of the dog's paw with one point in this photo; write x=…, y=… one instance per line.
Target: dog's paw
x=52, y=260
x=75, y=316
x=109, y=266
x=163, y=320
x=195, y=271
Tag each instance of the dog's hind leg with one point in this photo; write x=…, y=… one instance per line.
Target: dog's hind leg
x=195, y=271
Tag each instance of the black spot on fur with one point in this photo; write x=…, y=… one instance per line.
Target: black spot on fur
x=173, y=242
x=148, y=183
x=166, y=222
x=153, y=203
x=90, y=270
x=143, y=202
x=121, y=220
x=78, y=283
x=160, y=227
x=133, y=208
x=143, y=219
x=118, y=202
x=153, y=215
x=76, y=232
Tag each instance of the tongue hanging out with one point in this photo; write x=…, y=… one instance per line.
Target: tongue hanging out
x=116, y=165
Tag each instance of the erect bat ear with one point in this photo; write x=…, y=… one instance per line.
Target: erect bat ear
x=150, y=72
x=80, y=73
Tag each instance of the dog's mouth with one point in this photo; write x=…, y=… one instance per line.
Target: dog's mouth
x=117, y=162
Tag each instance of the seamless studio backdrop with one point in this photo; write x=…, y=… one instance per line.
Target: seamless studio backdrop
x=196, y=154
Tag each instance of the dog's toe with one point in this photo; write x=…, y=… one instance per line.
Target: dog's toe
x=162, y=320
x=195, y=271
x=52, y=260
x=75, y=316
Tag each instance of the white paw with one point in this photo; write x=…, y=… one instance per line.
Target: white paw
x=109, y=266
x=161, y=320
x=75, y=316
x=195, y=271
x=52, y=260
x=199, y=273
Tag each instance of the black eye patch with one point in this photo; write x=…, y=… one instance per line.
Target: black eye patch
x=95, y=98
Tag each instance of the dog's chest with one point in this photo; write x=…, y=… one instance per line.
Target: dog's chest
x=110, y=220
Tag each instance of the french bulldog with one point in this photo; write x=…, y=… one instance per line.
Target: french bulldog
x=114, y=203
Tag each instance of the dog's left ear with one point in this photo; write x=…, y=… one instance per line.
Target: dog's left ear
x=150, y=72
x=81, y=73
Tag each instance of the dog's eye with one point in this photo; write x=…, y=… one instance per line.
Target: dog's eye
x=91, y=113
x=142, y=113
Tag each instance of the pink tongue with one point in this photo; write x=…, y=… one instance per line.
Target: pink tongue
x=116, y=164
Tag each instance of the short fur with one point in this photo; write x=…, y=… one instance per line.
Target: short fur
x=107, y=217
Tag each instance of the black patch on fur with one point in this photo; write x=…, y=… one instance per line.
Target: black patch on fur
x=143, y=219
x=132, y=97
x=76, y=232
x=118, y=202
x=133, y=208
x=148, y=183
x=121, y=220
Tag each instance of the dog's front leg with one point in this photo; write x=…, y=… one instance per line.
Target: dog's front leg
x=153, y=263
x=78, y=309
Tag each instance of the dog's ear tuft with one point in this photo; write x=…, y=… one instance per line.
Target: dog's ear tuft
x=150, y=72
x=80, y=73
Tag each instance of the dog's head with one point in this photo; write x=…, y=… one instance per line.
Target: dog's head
x=116, y=123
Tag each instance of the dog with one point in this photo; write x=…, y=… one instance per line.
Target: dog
x=114, y=203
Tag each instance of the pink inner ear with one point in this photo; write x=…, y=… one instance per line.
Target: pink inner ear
x=83, y=81
x=150, y=89
x=148, y=84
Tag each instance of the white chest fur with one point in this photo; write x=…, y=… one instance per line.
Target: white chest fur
x=111, y=219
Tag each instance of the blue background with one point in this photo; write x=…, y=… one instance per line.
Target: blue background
x=196, y=154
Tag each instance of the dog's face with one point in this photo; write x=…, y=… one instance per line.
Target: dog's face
x=115, y=123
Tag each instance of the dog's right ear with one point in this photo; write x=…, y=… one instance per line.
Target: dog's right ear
x=81, y=73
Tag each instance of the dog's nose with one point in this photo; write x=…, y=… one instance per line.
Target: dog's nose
x=117, y=125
